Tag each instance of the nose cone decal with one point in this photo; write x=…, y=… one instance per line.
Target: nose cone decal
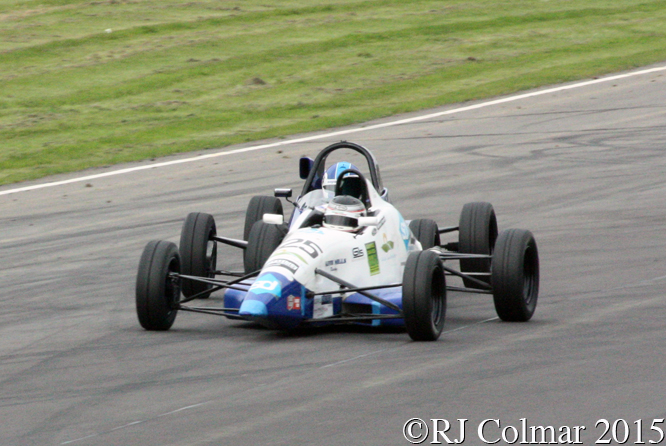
x=266, y=289
x=274, y=299
x=267, y=284
x=253, y=308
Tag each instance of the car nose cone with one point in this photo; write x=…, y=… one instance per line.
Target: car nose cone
x=253, y=308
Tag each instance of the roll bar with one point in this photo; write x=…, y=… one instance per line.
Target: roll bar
x=317, y=170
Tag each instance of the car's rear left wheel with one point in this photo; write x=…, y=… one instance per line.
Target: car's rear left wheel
x=515, y=275
x=157, y=292
x=477, y=235
x=426, y=232
x=424, y=296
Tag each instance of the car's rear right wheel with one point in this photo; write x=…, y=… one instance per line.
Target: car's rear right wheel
x=198, y=252
x=263, y=240
x=256, y=208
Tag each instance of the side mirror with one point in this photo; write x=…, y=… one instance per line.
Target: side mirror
x=282, y=193
x=305, y=166
x=368, y=221
x=273, y=219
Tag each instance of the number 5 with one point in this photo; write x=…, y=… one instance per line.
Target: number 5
x=658, y=429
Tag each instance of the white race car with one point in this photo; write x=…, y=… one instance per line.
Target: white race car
x=346, y=255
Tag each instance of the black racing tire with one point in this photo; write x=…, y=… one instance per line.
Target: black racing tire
x=258, y=206
x=263, y=240
x=426, y=232
x=198, y=252
x=157, y=294
x=424, y=296
x=515, y=275
x=477, y=235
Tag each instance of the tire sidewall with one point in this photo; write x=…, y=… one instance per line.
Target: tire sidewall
x=155, y=299
x=515, y=275
x=423, y=272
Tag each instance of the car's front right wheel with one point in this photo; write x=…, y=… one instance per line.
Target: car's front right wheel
x=157, y=291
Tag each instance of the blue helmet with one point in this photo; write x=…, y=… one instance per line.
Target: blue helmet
x=332, y=173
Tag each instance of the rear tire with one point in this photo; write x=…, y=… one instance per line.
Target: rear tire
x=198, y=252
x=424, y=296
x=263, y=240
x=426, y=232
x=515, y=275
x=258, y=206
x=478, y=234
x=157, y=294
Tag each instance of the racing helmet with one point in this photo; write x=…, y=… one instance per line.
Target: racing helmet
x=342, y=213
x=332, y=173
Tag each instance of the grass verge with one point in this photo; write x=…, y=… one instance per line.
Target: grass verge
x=93, y=83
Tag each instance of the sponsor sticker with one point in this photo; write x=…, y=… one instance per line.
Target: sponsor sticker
x=373, y=261
x=293, y=302
x=267, y=284
x=357, y=253
x=283, y=263
x=388, y=244
x=322, y=307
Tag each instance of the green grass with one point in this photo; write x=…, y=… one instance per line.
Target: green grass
x=173, y=76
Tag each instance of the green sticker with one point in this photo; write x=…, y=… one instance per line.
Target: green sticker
x=373, y=261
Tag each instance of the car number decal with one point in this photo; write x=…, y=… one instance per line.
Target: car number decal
x=307, y=246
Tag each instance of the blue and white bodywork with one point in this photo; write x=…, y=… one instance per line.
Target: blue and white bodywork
x=361, y=263
x=288, y=290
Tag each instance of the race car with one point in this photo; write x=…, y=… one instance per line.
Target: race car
x=345, y=255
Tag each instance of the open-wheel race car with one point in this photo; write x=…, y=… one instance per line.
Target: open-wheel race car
x=344, y=256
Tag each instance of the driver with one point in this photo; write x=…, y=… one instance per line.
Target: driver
x=342, y=213
x=332, y=173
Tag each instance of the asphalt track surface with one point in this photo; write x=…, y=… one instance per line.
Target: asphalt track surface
x=583, y=169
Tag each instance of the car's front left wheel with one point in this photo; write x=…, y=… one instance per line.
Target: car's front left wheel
x=424, y=295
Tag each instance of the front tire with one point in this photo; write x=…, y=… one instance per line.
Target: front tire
x=478, y=234
x=157, y=294
x=424, y=296
x=515, y=275
x=198, y=252
x=263, y=240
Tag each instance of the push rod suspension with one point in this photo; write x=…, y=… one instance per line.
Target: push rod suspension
x=337, y=280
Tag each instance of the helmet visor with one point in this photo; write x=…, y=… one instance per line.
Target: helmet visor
x=341, y=220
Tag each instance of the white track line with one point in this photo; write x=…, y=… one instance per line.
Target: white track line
x=338, y=133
